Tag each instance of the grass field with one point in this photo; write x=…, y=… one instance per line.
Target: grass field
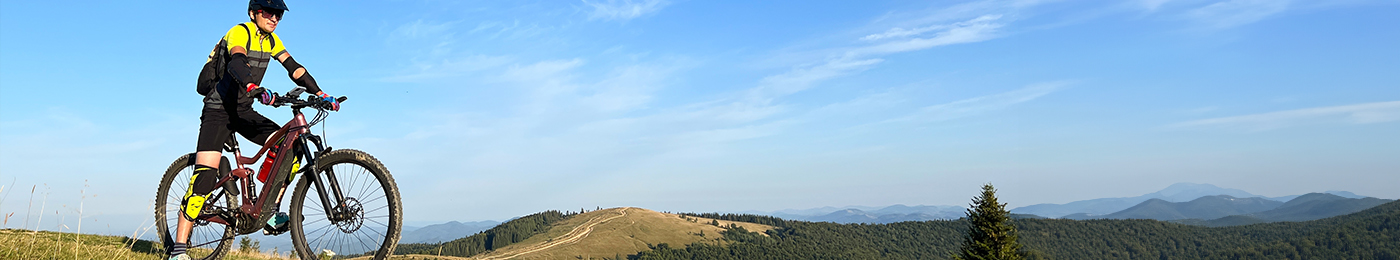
x=629, y=233
x=600, y=234
x=25, y=244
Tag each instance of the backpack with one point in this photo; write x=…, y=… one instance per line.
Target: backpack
x=214, y=70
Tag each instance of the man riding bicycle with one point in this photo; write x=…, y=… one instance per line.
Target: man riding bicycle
x=247, y=49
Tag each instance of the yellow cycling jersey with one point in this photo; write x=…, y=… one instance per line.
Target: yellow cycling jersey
x=262, y=47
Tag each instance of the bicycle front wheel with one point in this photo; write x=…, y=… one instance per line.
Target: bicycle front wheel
x=170, y=198
x=367, y=222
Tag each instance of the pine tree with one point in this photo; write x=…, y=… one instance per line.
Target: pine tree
x=990, y=235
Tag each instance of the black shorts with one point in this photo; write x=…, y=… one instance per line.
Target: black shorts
x=217, y=125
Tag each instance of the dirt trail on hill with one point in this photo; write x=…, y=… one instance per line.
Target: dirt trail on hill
x=574, y=235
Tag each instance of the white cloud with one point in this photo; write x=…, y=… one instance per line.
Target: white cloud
x=980, y=105
x=898, y=32
x=978, y=29
x=1231, y=13
x=1364, y=113
x=841, y=62
x=1152, y=5
x=624, y=9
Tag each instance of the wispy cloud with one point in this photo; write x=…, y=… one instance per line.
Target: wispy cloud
x=978, y=29
x=1364, y=113
x=1151, y=5
x=899, y=32
x=624, y=9
x=980, y=105
x=841, y=62
x=1231, y=13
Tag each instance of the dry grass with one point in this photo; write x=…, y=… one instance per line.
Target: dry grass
x=621, y=236
x=25, y=244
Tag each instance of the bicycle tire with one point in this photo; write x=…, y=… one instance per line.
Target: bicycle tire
x=353, y=169
x=179, y=170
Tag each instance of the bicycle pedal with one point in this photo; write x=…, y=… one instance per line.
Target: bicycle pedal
x=274, y=231
x=277, y=225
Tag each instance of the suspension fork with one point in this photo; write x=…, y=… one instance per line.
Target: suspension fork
x=332, y=212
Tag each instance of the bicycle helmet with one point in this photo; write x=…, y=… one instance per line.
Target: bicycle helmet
x=254, y=5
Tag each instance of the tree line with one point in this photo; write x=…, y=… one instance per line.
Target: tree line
x=508, y=233
x=1369, y=234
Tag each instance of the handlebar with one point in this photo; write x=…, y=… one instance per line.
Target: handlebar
x=291, y=98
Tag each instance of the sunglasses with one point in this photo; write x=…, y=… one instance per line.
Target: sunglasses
x=271, y=14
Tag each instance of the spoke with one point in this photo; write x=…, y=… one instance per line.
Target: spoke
x=313, y=231
x=379, y=208
x=371, y=180
x=362, y=241
x=323, y=233
x=377, y=222
x=377, y=232
x=339, y=243
x=367, y=246
x=358, y=181
x=314, y=222
x=373, y=199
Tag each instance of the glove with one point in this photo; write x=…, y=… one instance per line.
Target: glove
x=330, y=101
x=267, y=97
x=263, y=95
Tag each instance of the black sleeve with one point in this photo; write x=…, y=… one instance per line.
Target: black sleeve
x=306, y=80
x=238, y=68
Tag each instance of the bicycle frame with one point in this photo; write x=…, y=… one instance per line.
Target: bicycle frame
x=295, y=132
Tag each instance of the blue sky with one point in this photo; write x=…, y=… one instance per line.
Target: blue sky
x=496, y=109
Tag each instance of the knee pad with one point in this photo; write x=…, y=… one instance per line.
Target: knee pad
x=193, y=205
x=203, y=179
x=201, y=183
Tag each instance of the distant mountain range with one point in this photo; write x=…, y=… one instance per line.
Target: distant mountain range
x=1208, y=207
x=1190, y=203
x=1225, y=210
x=445, y=231
x=1180, y=192
x=1181, y=202
x=871, y=215
x=1311, y=206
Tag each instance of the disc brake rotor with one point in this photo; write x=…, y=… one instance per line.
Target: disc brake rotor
x=352, y=216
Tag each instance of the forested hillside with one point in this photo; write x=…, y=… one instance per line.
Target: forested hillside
x=1369, y=234
x=503, y=235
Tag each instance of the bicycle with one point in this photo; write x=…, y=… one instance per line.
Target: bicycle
x=354, y=221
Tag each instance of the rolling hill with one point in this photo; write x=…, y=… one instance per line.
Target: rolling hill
x=1224, y=210
x=1368, y=234
x=1318, y=205
x=1208, y=207
x=606, y=233
x=1306, y=207
x=445, y=231
x=1180, y=192
x=871, y=215
x=634, y=233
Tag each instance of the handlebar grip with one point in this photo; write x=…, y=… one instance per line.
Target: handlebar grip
x=341, y=99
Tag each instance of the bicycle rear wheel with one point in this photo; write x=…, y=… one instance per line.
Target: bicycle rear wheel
x=371, y=220
x=169, y=201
